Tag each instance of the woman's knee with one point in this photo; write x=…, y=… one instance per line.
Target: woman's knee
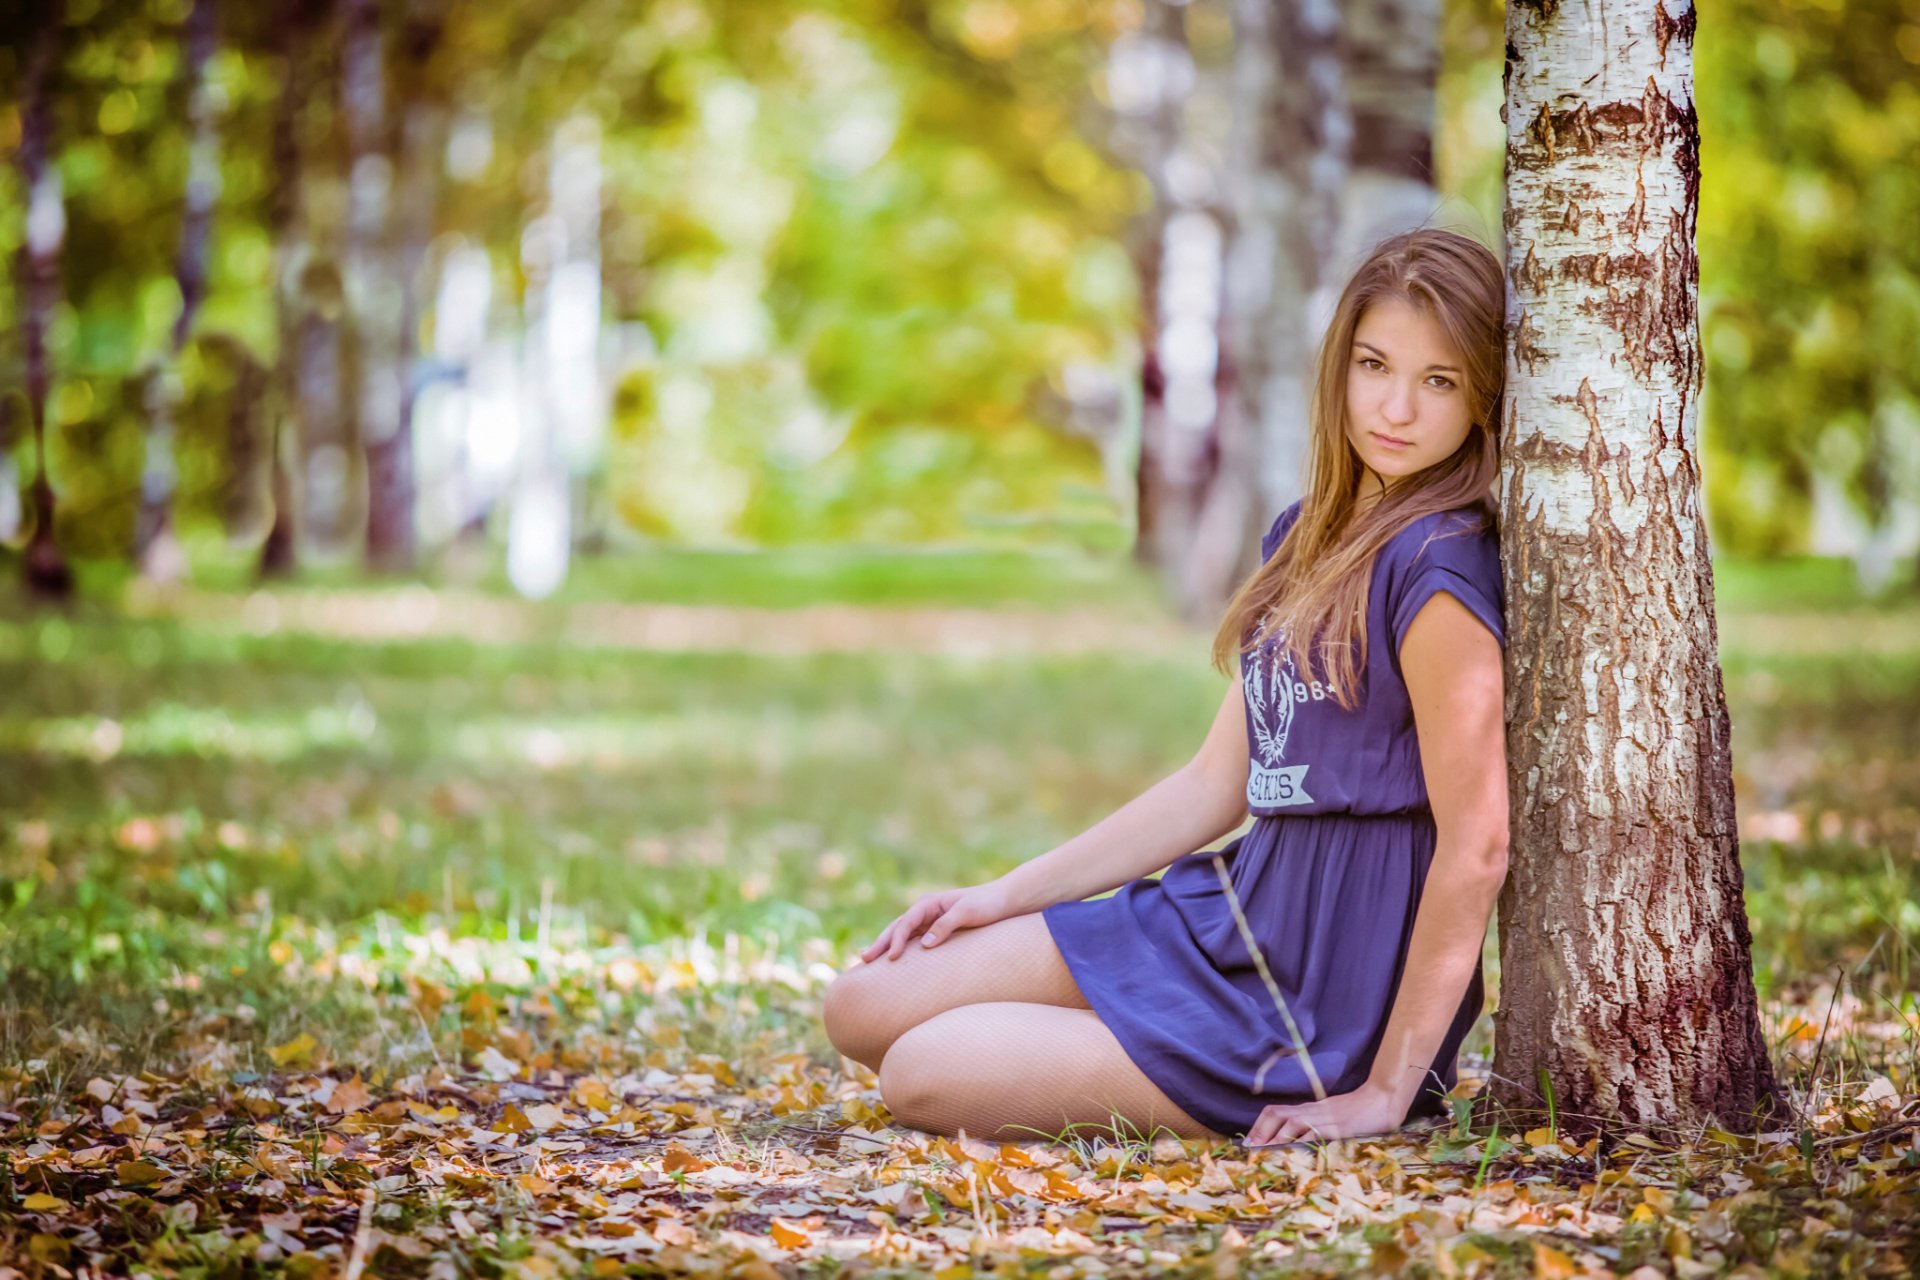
x=849, y=1015
x=912, y=1072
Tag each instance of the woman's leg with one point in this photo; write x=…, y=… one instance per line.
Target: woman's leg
x=1002, y=1070
x=870, y=1006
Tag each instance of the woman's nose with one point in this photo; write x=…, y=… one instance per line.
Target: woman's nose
x=1399, y=408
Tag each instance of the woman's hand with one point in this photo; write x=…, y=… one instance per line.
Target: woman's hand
x=1366, y=1111
x=940, y=914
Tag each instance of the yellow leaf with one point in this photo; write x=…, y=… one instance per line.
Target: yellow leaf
x=1467, y=1253
x=1641, y=1213
x=348, y=1095
x=139, y=1173
x=513, y=1120
x=50, y=1249
x=295, y=1051
x=678, y=1157
x=1551, y=1264
x=39, y=1202
x=790, y=1235
x=594, y=1095
x=1539, y=1137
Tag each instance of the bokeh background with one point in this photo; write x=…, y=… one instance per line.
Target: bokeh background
x=576, y=512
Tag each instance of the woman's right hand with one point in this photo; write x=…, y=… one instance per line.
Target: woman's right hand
x=939, y=914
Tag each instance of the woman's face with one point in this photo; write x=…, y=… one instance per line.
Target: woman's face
x=1406, y=395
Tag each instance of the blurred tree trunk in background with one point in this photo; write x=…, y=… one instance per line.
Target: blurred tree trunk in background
x=248, y=433
x=47, y=573
x=1335, y=110
x=328, y=470
x=392, y=481
x=1331, y=150
x=156, y=548
x=565, y=400
x=1293, y=151
x=10, y=510
x=1625, y=959
x=298, y=23
x=573, y=313
x=1178, y=253
x=374, y=289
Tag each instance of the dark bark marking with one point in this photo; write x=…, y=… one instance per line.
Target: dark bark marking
x=1530, y=273
x=1542, y=132
x=1667, y=28
x=1526, y=344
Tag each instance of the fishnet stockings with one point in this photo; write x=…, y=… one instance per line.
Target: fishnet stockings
x=1007, y=1071
x=988, y=1032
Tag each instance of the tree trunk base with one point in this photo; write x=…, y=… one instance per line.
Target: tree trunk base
x=48, y=577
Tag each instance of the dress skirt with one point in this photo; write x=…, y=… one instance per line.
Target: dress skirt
x=1330, y=901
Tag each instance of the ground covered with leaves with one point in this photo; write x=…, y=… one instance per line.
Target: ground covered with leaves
x=339, y=938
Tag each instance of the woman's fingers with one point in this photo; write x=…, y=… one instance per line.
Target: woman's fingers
x=904, y=929
x=893, y=939
x=884, y=943
x=935, y=931
x=879, y=944
x=1278, y=1125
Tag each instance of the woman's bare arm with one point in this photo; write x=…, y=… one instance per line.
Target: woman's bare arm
x=1452, y=667
x=1198, y=803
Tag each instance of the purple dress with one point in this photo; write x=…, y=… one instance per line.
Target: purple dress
x=1328, y=877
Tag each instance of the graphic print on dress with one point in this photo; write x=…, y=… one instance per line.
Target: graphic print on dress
x=1273, y=695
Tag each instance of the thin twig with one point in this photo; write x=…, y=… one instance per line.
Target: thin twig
x=1273, y=988
x=362, y=1236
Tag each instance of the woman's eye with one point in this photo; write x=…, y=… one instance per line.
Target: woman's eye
x=1445, y=383
x=1368, y=361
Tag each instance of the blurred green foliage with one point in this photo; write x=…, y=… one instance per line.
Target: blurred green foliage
x=1809, y=266
x=850, y=246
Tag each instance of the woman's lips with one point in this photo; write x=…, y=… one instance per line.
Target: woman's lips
x=1390, y=441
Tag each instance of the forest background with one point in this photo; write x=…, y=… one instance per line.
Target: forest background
x=767, y=378
x=756, y=274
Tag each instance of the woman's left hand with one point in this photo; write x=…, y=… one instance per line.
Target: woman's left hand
x=1366, y=1111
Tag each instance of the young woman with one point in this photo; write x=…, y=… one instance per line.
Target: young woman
x=1365, y=734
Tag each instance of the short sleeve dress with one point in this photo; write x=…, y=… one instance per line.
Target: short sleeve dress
x=1328, y=876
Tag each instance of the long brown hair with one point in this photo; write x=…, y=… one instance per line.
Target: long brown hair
x=1316, y=582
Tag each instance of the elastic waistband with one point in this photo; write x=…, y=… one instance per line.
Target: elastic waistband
x=1414, y=817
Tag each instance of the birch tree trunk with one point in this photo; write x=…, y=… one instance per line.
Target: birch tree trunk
x=1332, y=152
x=47, y=573
x=156, y=547
x=1178, y=250
x=1293, y=154
x=1626, y=968
x=373, y=288
x=393, y=513
x=290, y=423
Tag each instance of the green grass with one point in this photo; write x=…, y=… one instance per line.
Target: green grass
x=1064, y=576
x=279, y=833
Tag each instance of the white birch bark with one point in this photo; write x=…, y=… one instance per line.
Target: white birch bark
x=1626, y=967
x=1292, y=156
x=43, y=236
x=1332, y=152
x=375, y=292
x=1158, y=90
x=156, y=546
